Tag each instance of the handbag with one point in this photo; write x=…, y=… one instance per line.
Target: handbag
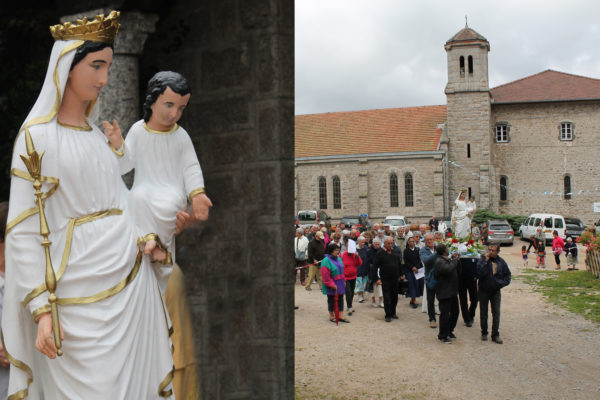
x=300, y=254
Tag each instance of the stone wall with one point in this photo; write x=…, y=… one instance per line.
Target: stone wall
x=468, y=128
x=365, y=186
x=536, y=160
x=238, y=56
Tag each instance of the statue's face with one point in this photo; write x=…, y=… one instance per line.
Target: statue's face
x=462, y=196
x=167, y=110
x=89, y=76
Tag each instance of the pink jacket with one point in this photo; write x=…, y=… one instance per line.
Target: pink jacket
x=351, y=264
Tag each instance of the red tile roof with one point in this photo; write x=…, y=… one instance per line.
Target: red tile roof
x=548, y=85
x=370, y=131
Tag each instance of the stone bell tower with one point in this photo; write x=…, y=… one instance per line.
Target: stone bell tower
x=469, y=117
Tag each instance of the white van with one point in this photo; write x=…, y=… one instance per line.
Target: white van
x=550, y=223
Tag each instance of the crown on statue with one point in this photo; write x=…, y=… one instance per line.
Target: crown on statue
x=99, y=29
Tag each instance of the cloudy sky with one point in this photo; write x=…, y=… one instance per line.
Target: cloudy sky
x=366, y=54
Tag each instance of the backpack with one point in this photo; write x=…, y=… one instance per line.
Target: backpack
x=430, y=280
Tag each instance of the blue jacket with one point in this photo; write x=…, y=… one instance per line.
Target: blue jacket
x=488, y=281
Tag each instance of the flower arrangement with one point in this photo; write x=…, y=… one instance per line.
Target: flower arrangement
x=589, y=240
x=465, y=247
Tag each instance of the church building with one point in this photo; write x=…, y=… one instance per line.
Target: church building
x=527, y=146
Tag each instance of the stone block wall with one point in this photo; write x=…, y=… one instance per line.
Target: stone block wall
x=365, y=186
x=238, y=57
x=468, y=128
x=536, y=160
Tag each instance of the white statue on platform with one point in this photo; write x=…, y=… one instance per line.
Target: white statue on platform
x=461, y=216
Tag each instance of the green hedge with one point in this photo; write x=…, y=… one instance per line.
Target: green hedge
x=515, y=221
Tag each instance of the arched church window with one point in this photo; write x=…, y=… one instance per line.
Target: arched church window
x=337, y=193
x=462, y=65
x=408, y=190
x=567, y=187
x=470, y=65
x=322, y=193
x=393, y=190
x=503, y=188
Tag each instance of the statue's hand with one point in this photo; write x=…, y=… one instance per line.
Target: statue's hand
x=201, y=205
x=45, y=340
x=113, y=134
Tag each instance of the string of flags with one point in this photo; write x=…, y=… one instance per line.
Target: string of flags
x=594, y=192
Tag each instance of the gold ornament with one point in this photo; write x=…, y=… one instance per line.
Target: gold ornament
x=99, y=29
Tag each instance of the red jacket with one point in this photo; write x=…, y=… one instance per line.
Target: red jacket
x=351, y=264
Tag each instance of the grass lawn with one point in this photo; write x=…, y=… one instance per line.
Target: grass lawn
x=576, y=291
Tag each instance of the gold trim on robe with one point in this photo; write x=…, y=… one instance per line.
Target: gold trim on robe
x=23, y=393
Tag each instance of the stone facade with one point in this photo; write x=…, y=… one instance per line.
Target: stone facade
x=533, y=163
x=536, y=160
x=365, y=185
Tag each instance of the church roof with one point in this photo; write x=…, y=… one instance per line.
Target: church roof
x=466, y=35
x=369, y=131
x=545, y=86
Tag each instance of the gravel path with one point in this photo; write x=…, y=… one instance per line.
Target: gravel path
x=548, y=353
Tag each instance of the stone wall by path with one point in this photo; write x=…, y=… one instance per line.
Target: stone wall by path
x=238, y=56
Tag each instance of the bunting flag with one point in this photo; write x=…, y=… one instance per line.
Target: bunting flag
x=586, y=192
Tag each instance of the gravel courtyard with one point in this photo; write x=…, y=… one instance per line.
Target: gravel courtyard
x=548, y=353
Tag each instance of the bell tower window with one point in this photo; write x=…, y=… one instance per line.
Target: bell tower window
x=470, y=65
x=462, y=66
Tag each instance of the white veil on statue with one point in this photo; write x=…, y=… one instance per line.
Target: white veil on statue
x=461, y=221
x=48, y=102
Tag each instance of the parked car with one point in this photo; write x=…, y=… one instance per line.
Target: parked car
x=358, y=221
x=313, y=217
x=549, y=222
x=500, y=231
x=574, y=227
x=396, y=221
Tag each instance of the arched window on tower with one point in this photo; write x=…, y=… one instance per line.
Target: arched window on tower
x=393, y=190
x=337, y=193
x=503, y=189
x=462, y=65
x=408, y=190
x=470, y=65
x=322, y=193
x=567, y=187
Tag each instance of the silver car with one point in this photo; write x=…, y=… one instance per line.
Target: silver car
x=500, y=231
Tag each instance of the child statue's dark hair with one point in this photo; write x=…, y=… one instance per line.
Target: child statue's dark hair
x=159, y=83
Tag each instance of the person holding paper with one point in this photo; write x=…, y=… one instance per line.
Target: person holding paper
x=351, y=261
x=412, y=264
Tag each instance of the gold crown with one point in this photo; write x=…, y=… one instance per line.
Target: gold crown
x=99, y=29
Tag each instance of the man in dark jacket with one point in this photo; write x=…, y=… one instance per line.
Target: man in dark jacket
x=493, y=275
x=467, y=285
x=316, y=252
x=446, y=272
x=388, y=264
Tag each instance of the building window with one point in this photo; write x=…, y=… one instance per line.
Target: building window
x=503, y=188
x=567, y=187
x=337, y=193
x=322, y=193
x=462, y=66
x=502, y=129
x=408, y=190
x=393, y=190
x=470, y=65
x=468, y=150
x=566, y=131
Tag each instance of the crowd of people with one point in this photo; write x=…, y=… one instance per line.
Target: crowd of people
x=378, y=264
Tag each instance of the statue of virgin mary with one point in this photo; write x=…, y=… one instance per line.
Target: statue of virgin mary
x=116, y=330
x=461, y=217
